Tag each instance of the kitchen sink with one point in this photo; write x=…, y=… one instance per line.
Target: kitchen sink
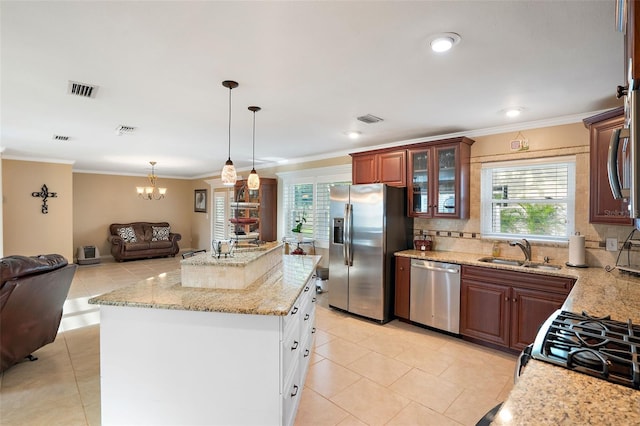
x=547, y=266
x=501, y=261
x=524, y=264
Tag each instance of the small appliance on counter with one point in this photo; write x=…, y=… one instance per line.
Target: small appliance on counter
x=422, y=242
x=600, y=347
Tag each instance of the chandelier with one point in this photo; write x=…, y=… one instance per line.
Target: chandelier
x=151, y=192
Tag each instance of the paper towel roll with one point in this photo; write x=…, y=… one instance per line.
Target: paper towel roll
x=576, y=250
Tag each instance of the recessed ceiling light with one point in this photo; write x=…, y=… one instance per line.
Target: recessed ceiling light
x=512, y=112
x=443, y=42
x=353, y=134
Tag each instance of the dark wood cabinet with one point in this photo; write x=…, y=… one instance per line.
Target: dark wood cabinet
x=402, y=287
x=506, y=308
x=254, y=214
x=603, y=208
x=530, y=308
x=484, y=311
x=384, y=166
x=438, y=179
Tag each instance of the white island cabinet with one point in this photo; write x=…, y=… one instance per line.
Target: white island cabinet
x=174, y=355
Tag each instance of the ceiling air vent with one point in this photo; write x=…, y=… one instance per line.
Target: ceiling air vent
x=370, y=119
x=82, y=89
x=124, y=130
x=61, y=138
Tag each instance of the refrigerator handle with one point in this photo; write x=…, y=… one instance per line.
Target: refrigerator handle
x=345, y=243
x=348, y=223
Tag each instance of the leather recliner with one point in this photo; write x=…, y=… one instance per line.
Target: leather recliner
x=32, y=293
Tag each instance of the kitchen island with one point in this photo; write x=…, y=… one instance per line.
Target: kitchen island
x=546, y=394
x=171, y=354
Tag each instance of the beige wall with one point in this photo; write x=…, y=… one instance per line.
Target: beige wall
x=88, y=203
x=100, y=200
x=201, y=222
x=571, y=139
x=26, y=231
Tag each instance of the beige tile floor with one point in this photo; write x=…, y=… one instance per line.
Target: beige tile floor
x=361, y=373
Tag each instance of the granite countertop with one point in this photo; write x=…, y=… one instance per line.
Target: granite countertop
x=242, y=256
x=274, y=295
x=547, y=394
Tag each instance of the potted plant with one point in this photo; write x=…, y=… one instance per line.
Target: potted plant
x=300, y=221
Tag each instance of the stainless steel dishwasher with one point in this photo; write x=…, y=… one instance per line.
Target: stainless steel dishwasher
x=435, y=295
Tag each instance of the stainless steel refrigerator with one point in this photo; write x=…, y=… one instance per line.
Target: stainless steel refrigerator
x=369, y=224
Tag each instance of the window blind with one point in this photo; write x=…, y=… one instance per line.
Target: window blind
x=221, y=223
x=534, y=199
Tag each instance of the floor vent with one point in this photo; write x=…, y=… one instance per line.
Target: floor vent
x=370, y=119
x=60, y=138
x=82, y=89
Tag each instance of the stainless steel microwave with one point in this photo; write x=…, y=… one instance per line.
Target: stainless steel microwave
x=624, y=178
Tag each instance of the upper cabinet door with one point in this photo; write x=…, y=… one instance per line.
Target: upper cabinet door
x=438, y=179
x=388, y=167
x=392, y=168
x=419, y=193
x=446, y=183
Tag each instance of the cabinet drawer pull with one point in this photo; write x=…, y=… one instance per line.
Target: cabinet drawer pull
x=294, y=310
x=306, y=353
x=306, y=316
x=313, y=330
x=313, y=300
x=306, y=289
x=506, y=299
x=515, y=300
x=295, y=345
x=295, y=390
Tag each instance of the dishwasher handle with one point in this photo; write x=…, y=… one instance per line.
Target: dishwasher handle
x=435, y=268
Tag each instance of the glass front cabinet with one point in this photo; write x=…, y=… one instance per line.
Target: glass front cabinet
x=438, y=179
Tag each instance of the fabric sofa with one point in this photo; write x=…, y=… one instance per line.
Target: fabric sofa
x=32, y=294
x=142, y=240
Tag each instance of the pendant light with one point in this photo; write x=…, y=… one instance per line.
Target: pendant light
x=228, y=175
x=253, y=183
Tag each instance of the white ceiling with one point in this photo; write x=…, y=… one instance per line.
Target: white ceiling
x=313, y=67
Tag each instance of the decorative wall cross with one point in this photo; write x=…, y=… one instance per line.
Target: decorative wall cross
x=44, y=194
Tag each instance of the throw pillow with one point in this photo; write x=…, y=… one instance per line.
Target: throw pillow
x=127, y=234
x=160, y=233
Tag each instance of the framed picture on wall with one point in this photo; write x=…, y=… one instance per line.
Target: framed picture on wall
x=200, y=201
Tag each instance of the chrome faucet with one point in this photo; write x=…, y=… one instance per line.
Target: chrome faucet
x=524, y=246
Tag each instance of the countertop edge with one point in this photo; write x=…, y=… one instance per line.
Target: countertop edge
x=274, y=297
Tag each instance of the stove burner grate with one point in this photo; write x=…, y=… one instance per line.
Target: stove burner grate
x=600, y=347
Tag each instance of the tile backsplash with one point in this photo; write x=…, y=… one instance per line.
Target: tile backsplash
x=455, y=235
x=464, y=235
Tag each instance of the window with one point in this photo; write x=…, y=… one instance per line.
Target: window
x=528, y=199
x=306, y=195
x=221, y=214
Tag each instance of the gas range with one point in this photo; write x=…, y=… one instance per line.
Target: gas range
x=600, y=347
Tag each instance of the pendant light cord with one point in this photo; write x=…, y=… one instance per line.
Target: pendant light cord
x=229, y=159
x=253, y=156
